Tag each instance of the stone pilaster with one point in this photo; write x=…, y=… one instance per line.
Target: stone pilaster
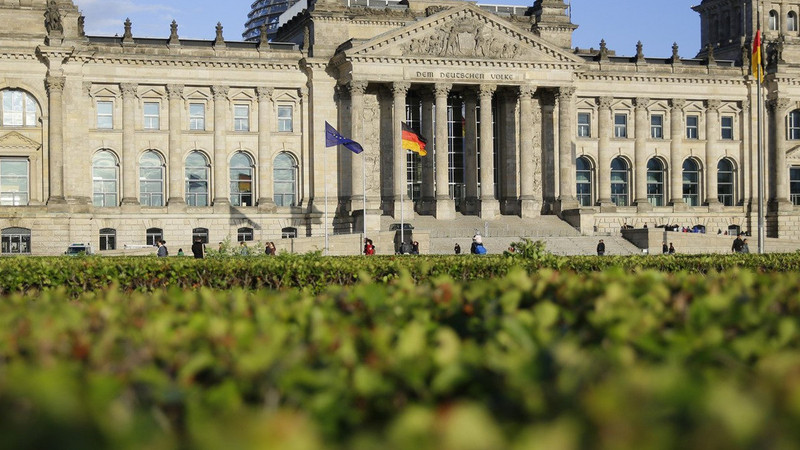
x=779, y=169
x=176, y=200
x=489, y=204
x=55, y=91
x=530, y=206
x=470, y=152
x=445, y=207
x=712, y=153
x=266, y=202
x=129, y=163
x=676, y=133
x=357, y=90
x=399, y=171
x=566, y=161
x=221, y=200
x=426, y=123
x=604, y=153
x=641, y=129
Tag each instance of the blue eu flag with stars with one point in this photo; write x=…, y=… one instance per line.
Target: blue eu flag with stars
x=334, y=138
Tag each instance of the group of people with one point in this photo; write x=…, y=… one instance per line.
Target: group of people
x=668, y=250
x=740, y=245
x=410, y=248
x=477, y=247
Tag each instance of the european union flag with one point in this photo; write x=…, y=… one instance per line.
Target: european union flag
x=333, y=138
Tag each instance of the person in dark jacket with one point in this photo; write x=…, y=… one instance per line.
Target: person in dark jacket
x=601, y=248
x=457, y=249
x=198, y=249
x=738, y=245
x=162, y=249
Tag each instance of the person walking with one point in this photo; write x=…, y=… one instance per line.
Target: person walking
x=738, y=245
x=369, y=247
x=664, y=248
x=457, y=249
x=415, y=248
x=477, y=247
x=198, y=249
x=601, y=248
x=162, y=252
x=745, y=247
x=671, y=249
x=243, y=250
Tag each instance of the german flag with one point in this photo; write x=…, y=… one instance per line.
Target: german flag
x=413, y=141
x=758, y=71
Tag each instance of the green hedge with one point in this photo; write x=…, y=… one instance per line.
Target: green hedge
x=614, y=359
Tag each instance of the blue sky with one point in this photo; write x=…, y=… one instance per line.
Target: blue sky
x=620, y=22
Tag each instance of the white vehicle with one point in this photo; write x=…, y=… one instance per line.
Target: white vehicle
x=79, y=249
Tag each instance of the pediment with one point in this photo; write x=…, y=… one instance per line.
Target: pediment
x=104, y=92
x=793, y=153
x=464, y=32
x=151, y=93
x=14, y=140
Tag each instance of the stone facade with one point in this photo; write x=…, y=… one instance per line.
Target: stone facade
x=128, y=139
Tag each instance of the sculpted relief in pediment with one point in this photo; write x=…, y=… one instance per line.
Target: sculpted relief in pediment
x=466, y=37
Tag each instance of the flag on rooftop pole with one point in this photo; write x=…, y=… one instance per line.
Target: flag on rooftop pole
x=758, y=70
x=413, y=141
x=334, y=138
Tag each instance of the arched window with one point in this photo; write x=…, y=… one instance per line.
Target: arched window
x=15, y=241
x=726, y=177
x=793, y=125
x=241, y=168
x=108, y=239
x=584, y=179
x=14, y=181
x=151, y=179
x=154, y=235
x=196, y=179
x=19, y=109
x=201, y=233
x=773, y=22
x=244, y=234
x=288, y=233
x=691, y=182
x=655, y=182
x=791, y=21
x=105, y=174
x=284, y=175
x=619, y=182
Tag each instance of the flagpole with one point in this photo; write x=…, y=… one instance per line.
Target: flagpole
x=325, y=177
x=760, y=140
x=364, y=199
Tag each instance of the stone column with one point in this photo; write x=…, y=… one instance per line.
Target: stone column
x=470, y=152
x=129, y=163
x=605, y=128
x=641, y=128
x=676, y=133
x=175, y=158
x=357, y=90
x=221, y=199
x=779, y=170
x=566, y=159
x=489, y=204
x=548, y=152
x=266, y=202
x=426, y=124
x=445, y=207
x=530, y=206
x=55, y=91
x=399, y=170
x=712, y=139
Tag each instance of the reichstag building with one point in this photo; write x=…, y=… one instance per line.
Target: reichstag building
x=122, y=140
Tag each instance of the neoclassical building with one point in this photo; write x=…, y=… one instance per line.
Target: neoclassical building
x=124, y=140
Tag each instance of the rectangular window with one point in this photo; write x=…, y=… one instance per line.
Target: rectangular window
x=13, y=181
x=151, y=115
x=584, y=125
x=794, y=185
x=241, y=117
x=657, y=126
x=105, y=115
x=793, y=127
x=285, y=118
x=727, y=127
x=692, y=127
x=620, y=125
x=197, y=116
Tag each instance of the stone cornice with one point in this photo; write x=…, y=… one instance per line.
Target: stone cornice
x=27, y=56
x=198, y=62
x=656, y=78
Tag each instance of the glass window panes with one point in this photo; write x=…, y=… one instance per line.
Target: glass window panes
x=726, y=127
x=794, y=184
x=151, y=179
x=791, y=21
x=726, y=176
x=241, y=117
x=244, y=234
x=201, y=233
x=154, y=235
x=773, y=20
x=19, y=109
x=284, y=175
x=104, y=179
x=691, y=182
x=620, y=125
x=584, y=125
x=197, y=172
x=14, y=181
x=108, y=239
x=692, y=127
x=105, y=114
x=15, y=241
x=655, y=182
x=241, y=179
x=619, y=182
x=197, y=116
x=793, y=127
x=288, y=233
x=657, y=126
x=285, y=118
x=151, y=115
x=583, y=177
